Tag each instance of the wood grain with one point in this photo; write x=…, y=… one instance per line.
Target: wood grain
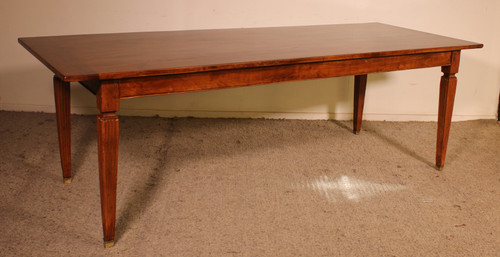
x=124, y=55
x=108, y=96
x=63, y=114
x=447, y=91
x=189, y=82
x=107, y=141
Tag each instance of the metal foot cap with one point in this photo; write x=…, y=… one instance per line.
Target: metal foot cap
x=67, y=180
x=108, y=244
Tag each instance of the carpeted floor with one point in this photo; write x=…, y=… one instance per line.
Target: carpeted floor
x=241, y=187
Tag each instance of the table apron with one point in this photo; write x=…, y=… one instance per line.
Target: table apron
x=189, y=82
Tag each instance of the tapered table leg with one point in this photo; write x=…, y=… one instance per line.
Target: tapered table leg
x=63, y=109
x=446, y=99
x=107, y=143
x=359, y=101
x=107, y=133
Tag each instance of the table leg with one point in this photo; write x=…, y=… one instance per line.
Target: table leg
x=107, y=133
x=446, y=98
x=359, y=101
x=63, y=108
x=107, y=143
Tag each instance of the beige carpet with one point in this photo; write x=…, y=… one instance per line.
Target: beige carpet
x=240, y=187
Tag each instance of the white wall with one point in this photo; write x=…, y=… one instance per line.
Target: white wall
x=26, y=85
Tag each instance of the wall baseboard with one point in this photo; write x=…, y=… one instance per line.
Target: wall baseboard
x=246, y=114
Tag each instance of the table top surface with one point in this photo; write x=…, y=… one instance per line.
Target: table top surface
x=126, y=55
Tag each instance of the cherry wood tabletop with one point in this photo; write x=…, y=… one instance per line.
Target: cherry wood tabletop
x=126, y=55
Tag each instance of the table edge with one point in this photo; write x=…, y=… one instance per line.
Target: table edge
x=259, y=64
x=241, y=65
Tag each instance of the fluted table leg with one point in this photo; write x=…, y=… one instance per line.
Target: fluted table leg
x=107, y=143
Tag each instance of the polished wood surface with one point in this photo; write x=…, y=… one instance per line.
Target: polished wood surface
x=447, y=91
x=107, y=143
x=123, y=55
x=189, y=82
x=128, y=65
x=62, y=99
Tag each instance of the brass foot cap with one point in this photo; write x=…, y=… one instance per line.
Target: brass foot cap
x=109, y=244
x=67, y=180
x=439, y=168
x=356, y=132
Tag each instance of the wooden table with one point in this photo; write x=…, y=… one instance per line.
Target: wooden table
x=127, y=65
